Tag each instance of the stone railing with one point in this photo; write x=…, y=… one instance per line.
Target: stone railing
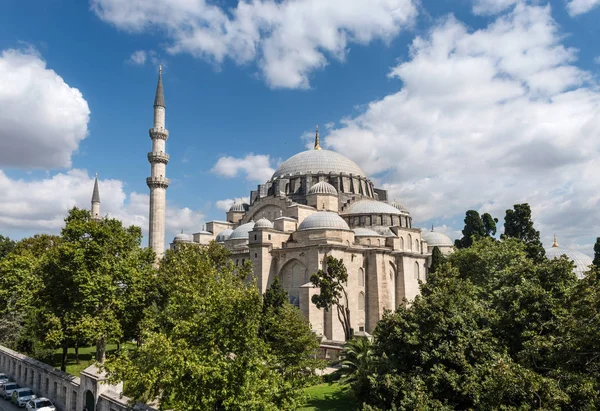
x=67, y=392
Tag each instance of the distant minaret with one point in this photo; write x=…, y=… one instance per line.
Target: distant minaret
x=317, y=140
x=157, y=182
x=95, y=212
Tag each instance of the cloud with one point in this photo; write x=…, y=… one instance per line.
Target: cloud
x=577, y=7
x=226, y=204
x=597, y=60
x=42, y=119
x=288, y=40
x=490, y=7
x=138, y=57
x=486, y=119
x=40, y=206
x=256, y=167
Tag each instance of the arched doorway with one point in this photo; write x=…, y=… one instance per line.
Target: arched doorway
x=89, y=401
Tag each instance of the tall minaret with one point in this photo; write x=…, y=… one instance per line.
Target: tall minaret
x=95, y=212
x=157, y=182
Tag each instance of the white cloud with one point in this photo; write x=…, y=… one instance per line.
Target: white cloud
x=486, y=119
x=287, y=39
x=138, y=57
x=40, y=206
x=597, y=60
x=489, y=7
x=42, y=118
x=226, y=204
x=576, y=7
x=256, y=167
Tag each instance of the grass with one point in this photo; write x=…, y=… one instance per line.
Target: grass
x=331, y=397
x=87, y=356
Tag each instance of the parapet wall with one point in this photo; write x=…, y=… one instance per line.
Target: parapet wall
x=67, y=392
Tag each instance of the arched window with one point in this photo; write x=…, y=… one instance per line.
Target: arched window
x=410, y=242
x=361, y=301
x=417, y=246
x=417, y=274
x=361, y=277
x=402, y=243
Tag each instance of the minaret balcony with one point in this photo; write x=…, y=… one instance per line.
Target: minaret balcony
x=160, y=133
x=157, y=182
x=160, y=157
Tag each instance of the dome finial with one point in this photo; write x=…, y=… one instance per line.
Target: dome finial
x=317, y=140
x=555, y=244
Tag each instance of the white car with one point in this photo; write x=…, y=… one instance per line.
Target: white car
x=7, y=389
x=21, y=396
x=3, y=378
x=40, y=404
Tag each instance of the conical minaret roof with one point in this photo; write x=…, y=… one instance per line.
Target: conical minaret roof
x=159, y=99
x=96, y=193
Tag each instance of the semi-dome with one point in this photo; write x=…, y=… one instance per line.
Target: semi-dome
x=323, y=220
x=322, y=187
x=582, y=261
x=399, y=206
x=365, y=232
x=436, y=239
x=372, y=207
x=224, y=235
x=263, y=223
x=183, y=238
x=242, y=232
x=239, y=207
x=315, y=161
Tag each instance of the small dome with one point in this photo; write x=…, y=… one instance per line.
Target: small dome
x=323, y=220
x=242, y=231
x=582, y=261
x=183, y=238
x=322, y=187
x=365, y=232
x=436, y=239
x=263, y=223
x=372, y=207
x=224, y=235
x=315, y=161
x=400, y=206
x=239, y=207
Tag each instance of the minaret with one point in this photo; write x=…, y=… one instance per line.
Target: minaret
x=317, y=140
x=95, y=212
x=157, y=182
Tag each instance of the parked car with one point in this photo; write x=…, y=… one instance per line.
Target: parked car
x=4, y=378
x=7, y=389
x=21, y=396
x=40, y=404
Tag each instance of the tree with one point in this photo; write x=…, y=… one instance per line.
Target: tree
x=6, y=246
x=596, y=261
x=203, y=348
x=357, y=365
x=275, y=297
x=489, y=224
x=437, y=259
x=518, y=224
x=474, y=229
x=332, y=291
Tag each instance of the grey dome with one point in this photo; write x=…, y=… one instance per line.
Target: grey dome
x=314, y=161
x=435, y=239
x=323, y=220
x=322, y=187
x=242, y=231
x=224, y=235
x=263, y=223
x=239, y=207
x=183, y=238
x=582, y=261
x=372, y=207
x=365, y=232
x=400, y=206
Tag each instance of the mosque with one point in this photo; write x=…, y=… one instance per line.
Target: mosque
x=318, y=203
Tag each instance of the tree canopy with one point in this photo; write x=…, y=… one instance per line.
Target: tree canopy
x=596, y=261
x=519, y=224
x=476, y=227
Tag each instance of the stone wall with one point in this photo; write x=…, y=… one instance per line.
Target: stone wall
x=67, y=392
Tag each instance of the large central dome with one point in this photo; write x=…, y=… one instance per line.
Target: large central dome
x=317, y=161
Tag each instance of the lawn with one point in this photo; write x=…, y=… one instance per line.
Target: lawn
x=333, y=397
x=86, y=358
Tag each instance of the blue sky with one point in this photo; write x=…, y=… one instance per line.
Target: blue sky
x=451, y=105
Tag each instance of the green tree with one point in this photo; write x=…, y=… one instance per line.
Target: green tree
x=489, y=224
x=518, y=224
x=474, y=229
x=202, y=347
x=332, y=291
x=357, y=365
x=6, y=246
x=437, y=259
x=597, y=252
x=275, y=297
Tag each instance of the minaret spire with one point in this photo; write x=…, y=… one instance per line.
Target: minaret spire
x=95, y=211
x=555, y=244
x=317, y=140
x=157, y=182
